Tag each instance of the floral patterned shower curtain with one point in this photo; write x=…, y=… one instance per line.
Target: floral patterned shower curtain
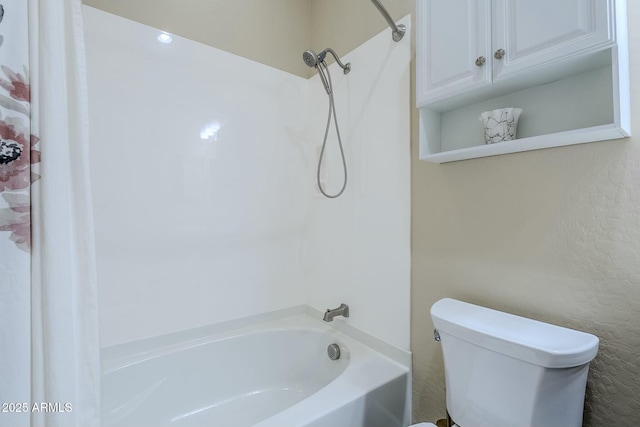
x=18, y=146
x=49, y=348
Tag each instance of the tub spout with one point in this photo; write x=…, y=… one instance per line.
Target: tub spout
x=343, y=310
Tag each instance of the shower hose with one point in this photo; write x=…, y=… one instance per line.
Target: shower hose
x=332, y=111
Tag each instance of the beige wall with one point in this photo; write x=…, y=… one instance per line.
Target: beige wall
x=273, y=32
x=345, y=24
x=551, y=234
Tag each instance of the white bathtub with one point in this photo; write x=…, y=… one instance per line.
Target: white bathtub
x=273, y=374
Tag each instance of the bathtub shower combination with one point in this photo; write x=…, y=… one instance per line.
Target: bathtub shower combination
x=273, y=373
x=241, y=221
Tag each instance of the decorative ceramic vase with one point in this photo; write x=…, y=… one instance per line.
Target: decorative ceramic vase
x=500, y=125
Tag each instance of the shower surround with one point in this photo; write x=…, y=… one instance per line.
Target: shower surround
x=203, y=169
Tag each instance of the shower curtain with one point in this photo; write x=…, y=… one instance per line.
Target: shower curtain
x=49, y=348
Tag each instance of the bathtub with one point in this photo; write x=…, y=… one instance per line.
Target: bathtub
x=267, y=371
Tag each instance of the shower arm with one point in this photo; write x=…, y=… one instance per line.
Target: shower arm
x=345, y=67
x=397, y=31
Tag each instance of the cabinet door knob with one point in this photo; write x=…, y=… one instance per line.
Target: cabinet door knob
x=499, y=54
x=480, y=61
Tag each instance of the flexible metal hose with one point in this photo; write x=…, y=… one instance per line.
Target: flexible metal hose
x=332, y=110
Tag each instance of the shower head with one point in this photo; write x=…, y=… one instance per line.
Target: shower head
x=316, y=60
x=312, y=59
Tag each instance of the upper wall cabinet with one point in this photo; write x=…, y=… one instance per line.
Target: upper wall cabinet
x=454, y=44
x=528, y=34
x=563, y=62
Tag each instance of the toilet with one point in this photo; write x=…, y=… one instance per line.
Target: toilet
x=504, y=370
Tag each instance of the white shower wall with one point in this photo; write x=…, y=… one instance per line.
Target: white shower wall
x=357, y=247
x=203, y=169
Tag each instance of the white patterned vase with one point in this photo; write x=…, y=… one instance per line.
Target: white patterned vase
x=500, y=125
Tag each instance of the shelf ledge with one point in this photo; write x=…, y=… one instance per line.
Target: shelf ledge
x=572, y=137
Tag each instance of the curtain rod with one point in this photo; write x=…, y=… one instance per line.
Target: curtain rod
x=397, y=31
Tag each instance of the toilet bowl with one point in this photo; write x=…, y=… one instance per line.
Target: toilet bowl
x=503, y=370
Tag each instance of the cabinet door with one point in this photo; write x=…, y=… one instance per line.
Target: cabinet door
x=528, y=33
x=451, y=36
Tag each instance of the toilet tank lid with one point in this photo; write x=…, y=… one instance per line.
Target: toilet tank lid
x=526, y=339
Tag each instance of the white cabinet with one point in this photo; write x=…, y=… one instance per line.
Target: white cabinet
x=564, y=62
x=469, y=44
x=454, y=43
x=528, y=34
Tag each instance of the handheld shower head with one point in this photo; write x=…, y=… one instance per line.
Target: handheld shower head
x=310, y=58
x=316, y=60
x=313, y=59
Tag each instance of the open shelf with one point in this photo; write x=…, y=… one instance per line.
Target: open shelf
x=586, y=105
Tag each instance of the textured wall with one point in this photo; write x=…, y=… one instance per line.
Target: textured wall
x=273, y=32
x=551, y=234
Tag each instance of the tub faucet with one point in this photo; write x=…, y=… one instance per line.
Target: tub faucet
x=343, y=310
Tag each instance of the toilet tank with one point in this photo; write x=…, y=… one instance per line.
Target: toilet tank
x=504, y=370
